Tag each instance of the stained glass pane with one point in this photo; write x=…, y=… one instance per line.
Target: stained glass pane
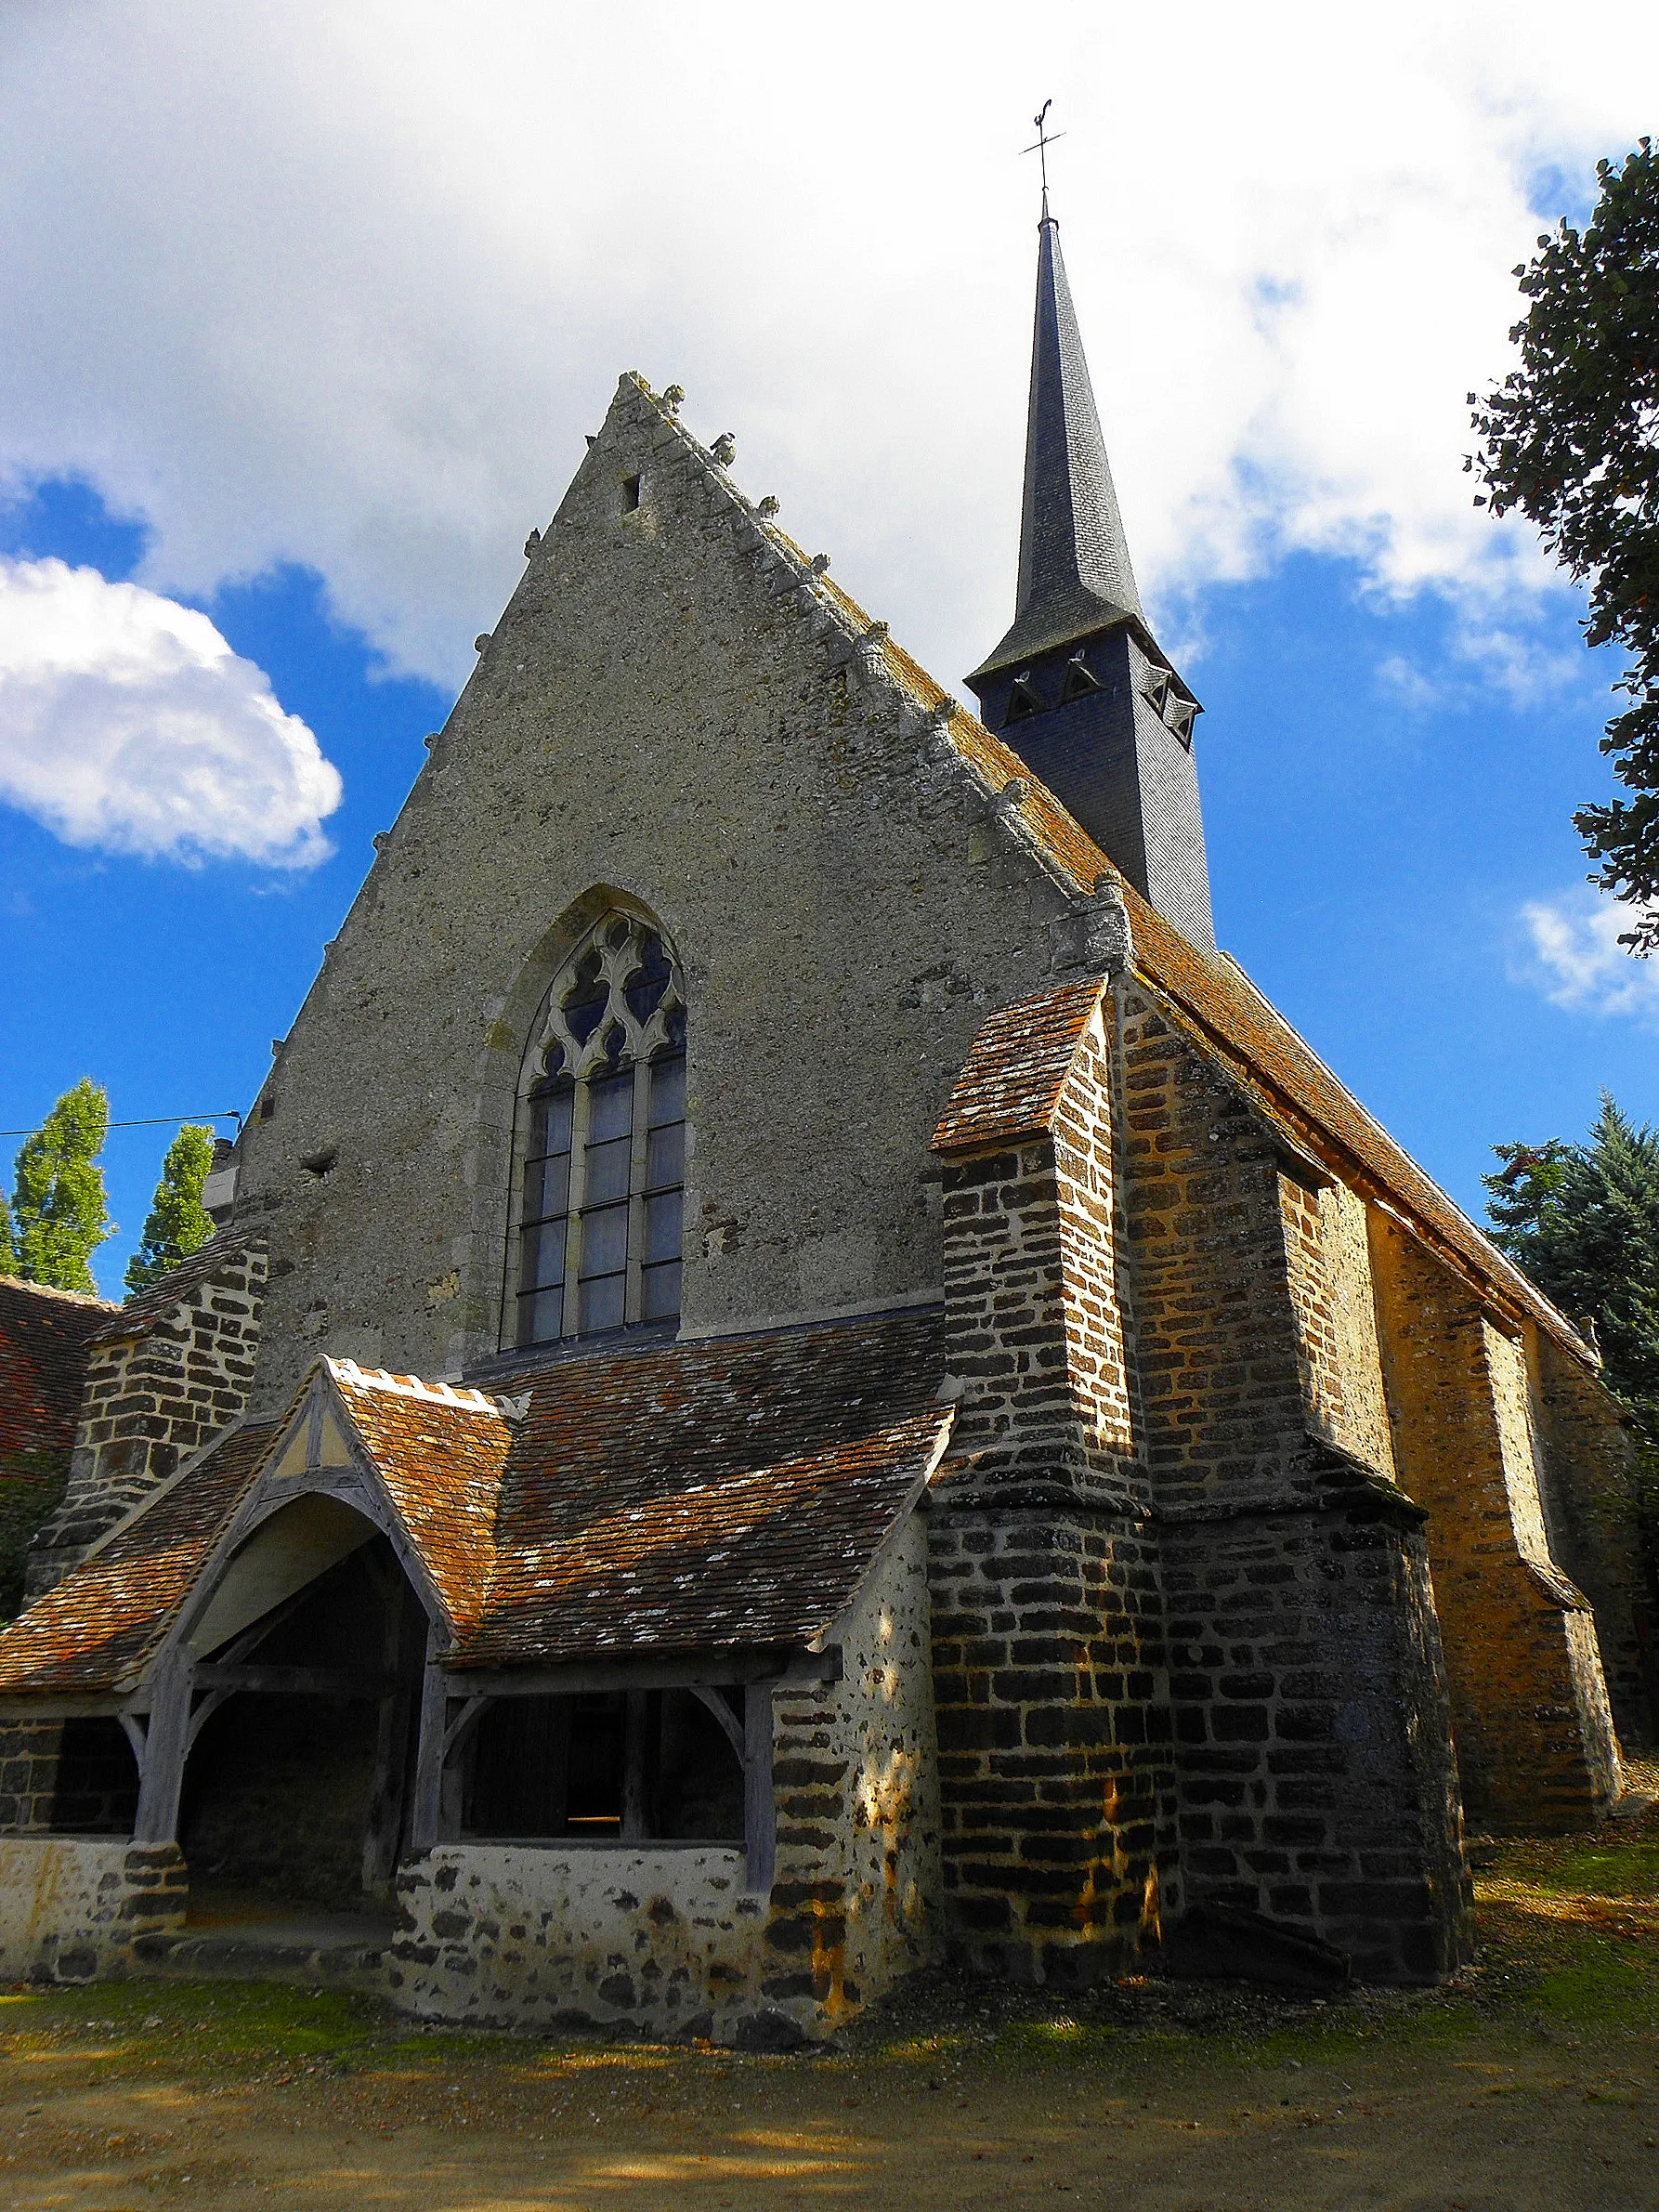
x=540, y=1316
x=604, y=1241
x=662, y=1226
x=611, y=1108
x=546, y=1186
x=661, y=1292
x=542, y=1256
x=665, y=1155
x=549, y=1121
x=608, y=1171
x=668, y=1091
x=602, y=1302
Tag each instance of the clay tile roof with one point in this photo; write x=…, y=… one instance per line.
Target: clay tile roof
x=721, y=1494
x=93, y=1631
x=45, y=1339
x=133, y=1319
x=1010, y=1084
x=440, y=1453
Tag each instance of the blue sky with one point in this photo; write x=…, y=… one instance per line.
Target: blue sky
x=308, y=322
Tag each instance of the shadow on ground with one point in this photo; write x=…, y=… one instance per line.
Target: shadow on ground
x=1532, y=2082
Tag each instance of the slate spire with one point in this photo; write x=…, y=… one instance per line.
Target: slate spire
x=1074, y=569
x=1079, y=687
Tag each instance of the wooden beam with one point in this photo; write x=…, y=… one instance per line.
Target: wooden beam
x=296, y=1681
x=675, y=1673
x=426, y=1811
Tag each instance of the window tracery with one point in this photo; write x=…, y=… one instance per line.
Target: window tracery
x=603, y=1122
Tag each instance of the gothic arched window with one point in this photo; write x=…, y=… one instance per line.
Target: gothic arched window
x=602, y=1116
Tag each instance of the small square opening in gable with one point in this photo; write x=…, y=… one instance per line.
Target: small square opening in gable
x=630, y=494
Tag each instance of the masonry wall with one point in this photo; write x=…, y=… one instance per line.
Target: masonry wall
x=667, y=1940
x=1536, y=1743
x=652, y=715
x=1314, y=1771
x=1595, y=1533
x=1056, y=1760
x=72, y=1907
x=150, y=1401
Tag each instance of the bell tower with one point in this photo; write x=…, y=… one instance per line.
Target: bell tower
x=1079, y=687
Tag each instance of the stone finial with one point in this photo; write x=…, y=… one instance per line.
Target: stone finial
x=481, y=640
x=768, y=507
x=381, y=840
x=531, y=542
x=674, y=396
x=818, y=563
x=1108, y=941
x=725, y=448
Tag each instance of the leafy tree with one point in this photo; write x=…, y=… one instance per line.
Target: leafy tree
x=1571, y=438
x=59, y=1215
x=177, y=1224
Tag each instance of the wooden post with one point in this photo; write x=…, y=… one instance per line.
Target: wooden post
x=385, y=1823
x=760, y=1817
x=167, y=1746
x=426, y=1813
x=634, y=1759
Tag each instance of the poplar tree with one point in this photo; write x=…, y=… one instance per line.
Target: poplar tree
x=1571, y=438
x=58, y=1212
x=177, y=1225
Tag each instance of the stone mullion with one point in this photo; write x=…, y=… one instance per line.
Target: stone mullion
x=635, y=1296
x=570, y=1309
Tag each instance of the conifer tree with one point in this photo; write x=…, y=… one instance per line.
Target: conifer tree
x=59, y=1214
x=1583, y=1222
x=177, y=1226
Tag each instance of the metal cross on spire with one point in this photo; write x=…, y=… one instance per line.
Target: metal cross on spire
x=1045, y=138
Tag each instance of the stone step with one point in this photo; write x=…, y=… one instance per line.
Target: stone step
x=327, y=1952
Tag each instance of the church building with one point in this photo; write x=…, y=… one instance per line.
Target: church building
x=799, y=1376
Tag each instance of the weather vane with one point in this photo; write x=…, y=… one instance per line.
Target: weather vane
x=1045, y=138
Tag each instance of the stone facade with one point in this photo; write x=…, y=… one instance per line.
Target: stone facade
x=152, y=1397
x=672, y=1940
x=72, y=1907
x=1536, y=1742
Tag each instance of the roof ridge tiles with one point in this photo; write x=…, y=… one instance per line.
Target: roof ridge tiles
x=22, y=1282
x=463, y=1395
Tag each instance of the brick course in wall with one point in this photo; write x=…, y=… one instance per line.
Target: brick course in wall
x=154, y=1396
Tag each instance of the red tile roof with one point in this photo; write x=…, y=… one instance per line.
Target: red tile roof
x=709, y=1494
x=93, y=1631
x=45, y=1341
x=440, y=1453
x=701, y=1495
x=1010, y=1084
x=133, y=1319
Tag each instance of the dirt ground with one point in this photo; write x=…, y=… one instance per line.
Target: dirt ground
x=1534, y=2082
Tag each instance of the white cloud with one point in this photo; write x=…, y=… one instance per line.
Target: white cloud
x=1573, y=954
x=127, y=723
x=344, y=282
